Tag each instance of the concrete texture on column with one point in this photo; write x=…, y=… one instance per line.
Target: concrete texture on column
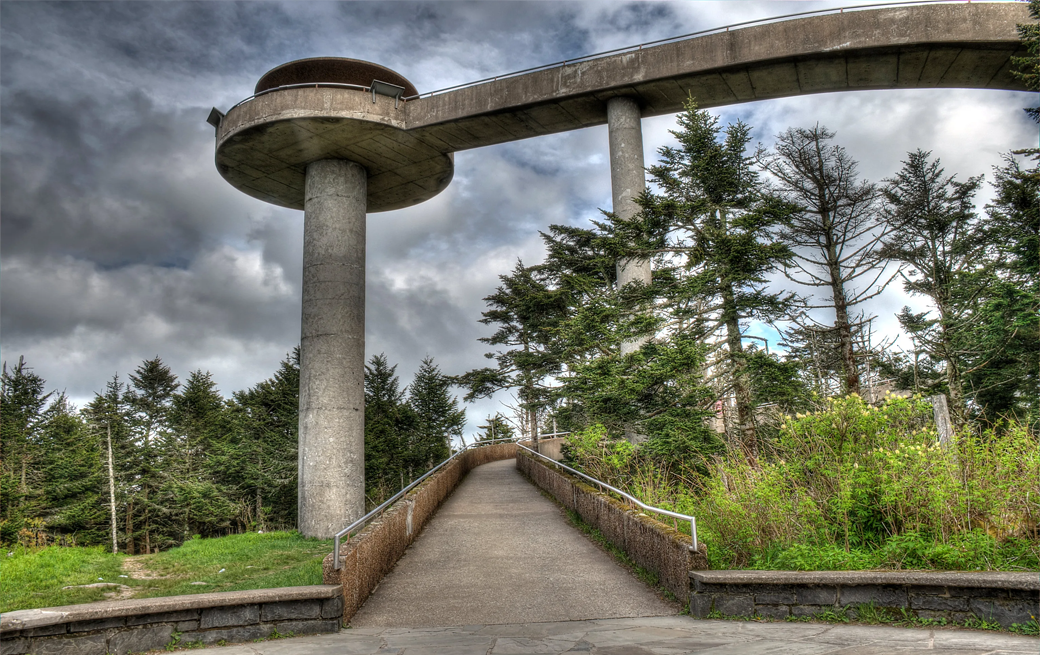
x=332, y=349
x=627, y=182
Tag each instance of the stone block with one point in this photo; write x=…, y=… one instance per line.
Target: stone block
x=735, y=605
x=880, y=595
x=979, y=592
x=99, y=624
x=808, y=610
x=332, y=608
x=939, y=603
x=46, y=630
x=813, y=595
x=14, y=645
x=186, y=626
x=1024, y=594
x=220, y=617
x=140, y=640
x=1004, y=612
x=228, y=635
x=81, y=645
x=290, y=610
x=298, y=628
x=781, y=596
x=162, y=617
x=931, y=590
x=773, y=611
x=959, y=617
x=700, y=605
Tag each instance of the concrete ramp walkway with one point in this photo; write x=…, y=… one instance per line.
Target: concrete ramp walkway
x=499, y=552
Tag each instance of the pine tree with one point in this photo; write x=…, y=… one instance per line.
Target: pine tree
x=259, y=458
x=438, y=417
x=719, y=225
x=107, y=417
x=524, y=311
x=495, y=427
x=935, y=233
x=150, y=399
x=73, y=481
x=389, y=422
x=190, y=493
x=22, y=420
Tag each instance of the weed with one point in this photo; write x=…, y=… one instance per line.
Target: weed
x=1031, y=628
x=976, y=623
x=175, y=639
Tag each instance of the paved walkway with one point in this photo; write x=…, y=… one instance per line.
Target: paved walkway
x=499, y=552
x=664, y=635
x=501, y=566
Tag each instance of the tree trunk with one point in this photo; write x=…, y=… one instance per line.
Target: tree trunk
x=841, y=322
x=112, y=490
x=129, y=528
x=738, y=370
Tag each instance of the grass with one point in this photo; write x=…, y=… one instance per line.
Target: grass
x=35, y=578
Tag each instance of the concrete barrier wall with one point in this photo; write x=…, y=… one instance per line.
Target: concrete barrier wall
x=999, y=596
x=118, y=627
x=372, y=553
x=653, y=545
x=551, y=448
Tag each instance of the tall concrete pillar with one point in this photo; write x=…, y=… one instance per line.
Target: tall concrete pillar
x=627, y=182
x=332, y=349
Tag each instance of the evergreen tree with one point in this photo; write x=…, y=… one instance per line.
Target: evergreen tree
x=1029, y=66
x=524, y=311
x=935, y=233
x=22, y=420
x=437, y=416
x=107, y=417
x=259, y=458
x=1004, y=379
x=718, y=224
x=73, y=480
x=190, y=493
x=836, y=233
x=389, y=423
x=496, y=427
x=150, y=399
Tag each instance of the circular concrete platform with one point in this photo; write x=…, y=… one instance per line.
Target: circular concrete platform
x=265, y=143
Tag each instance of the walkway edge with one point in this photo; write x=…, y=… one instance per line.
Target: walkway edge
x=372, y=553
x=653, y=545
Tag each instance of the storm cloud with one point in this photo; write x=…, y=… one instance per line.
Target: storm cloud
x=121, y=242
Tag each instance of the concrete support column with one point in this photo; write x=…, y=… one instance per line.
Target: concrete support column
x=332, y=349
x=627, y=182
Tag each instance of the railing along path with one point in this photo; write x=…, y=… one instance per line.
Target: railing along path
x=604, y=486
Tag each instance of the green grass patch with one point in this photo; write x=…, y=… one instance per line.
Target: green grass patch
x=34, y=578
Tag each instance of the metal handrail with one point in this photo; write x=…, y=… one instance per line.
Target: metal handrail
x=336, y=563
x=641, y=504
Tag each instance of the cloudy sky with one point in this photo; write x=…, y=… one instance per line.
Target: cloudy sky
x=121, y=242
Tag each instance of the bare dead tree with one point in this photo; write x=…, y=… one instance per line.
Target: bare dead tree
x=837, y=235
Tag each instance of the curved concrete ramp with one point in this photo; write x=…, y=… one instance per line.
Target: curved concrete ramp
x=499, y=552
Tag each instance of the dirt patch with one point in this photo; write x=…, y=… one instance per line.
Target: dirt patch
x=137, y=570
x=120, y=591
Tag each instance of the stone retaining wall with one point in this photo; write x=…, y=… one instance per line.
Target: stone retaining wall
x=372, y=553
x=1002, y=597
x=134, y=626
x=651, y=544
